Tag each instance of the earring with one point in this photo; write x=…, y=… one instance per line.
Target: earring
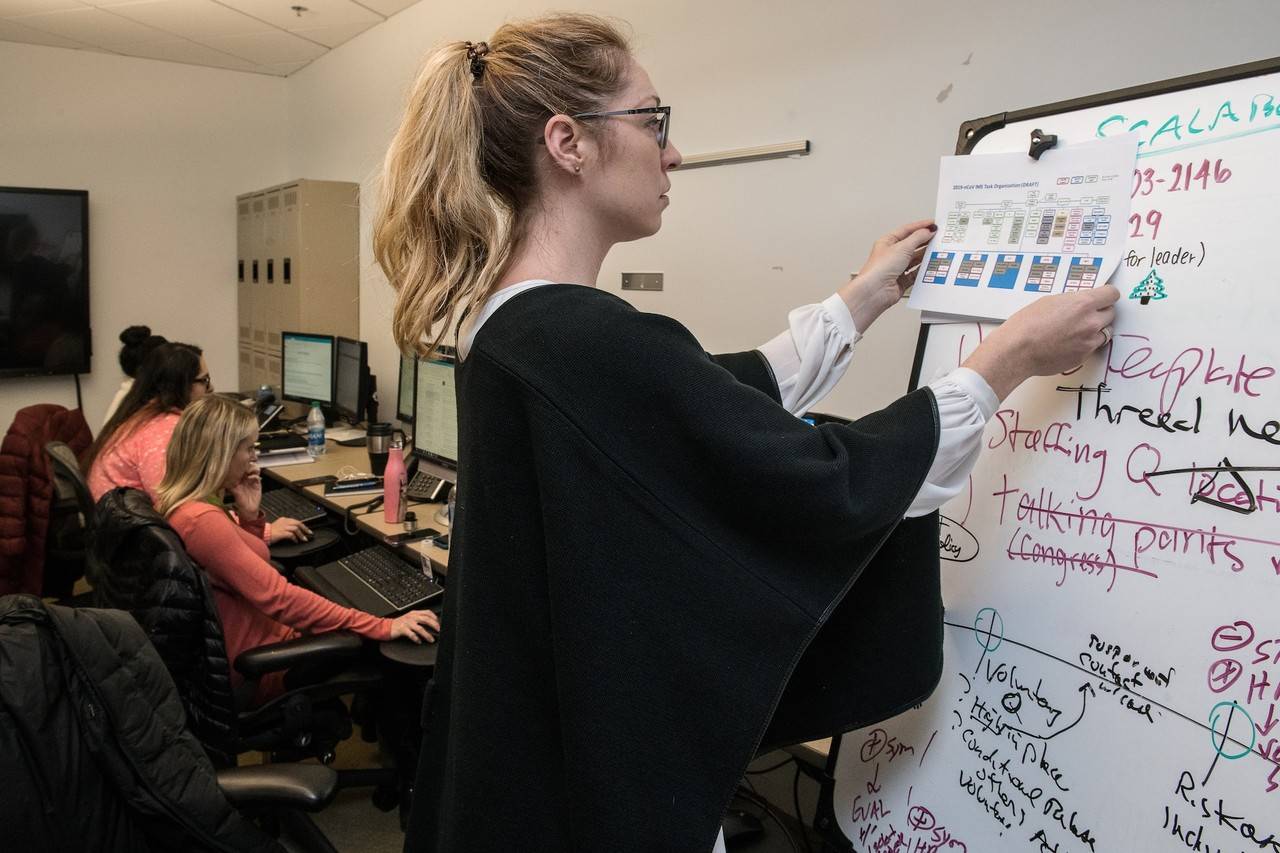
x=577, y=169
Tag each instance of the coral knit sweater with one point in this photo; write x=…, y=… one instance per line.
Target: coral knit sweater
x=258, y=606
x=135, y=458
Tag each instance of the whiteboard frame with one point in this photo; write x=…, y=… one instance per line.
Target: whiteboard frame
x=970, y=134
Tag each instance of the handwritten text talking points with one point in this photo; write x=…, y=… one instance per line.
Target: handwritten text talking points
x=1048, y=531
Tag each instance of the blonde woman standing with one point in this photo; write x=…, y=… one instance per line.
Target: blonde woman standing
x=210, y=454
x=656, y=568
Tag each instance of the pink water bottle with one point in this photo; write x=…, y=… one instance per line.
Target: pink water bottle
x=394, y=482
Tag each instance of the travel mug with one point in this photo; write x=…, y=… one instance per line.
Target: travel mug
x=379, y=444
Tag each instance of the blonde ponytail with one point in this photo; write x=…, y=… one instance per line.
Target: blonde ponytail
x=460, y=171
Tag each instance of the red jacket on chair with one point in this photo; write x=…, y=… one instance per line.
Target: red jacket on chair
x=26, y=490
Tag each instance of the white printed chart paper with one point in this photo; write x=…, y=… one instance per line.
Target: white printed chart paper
x=1011, y=229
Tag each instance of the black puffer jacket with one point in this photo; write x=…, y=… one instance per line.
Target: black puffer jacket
x=93, y=750
x=137, y=563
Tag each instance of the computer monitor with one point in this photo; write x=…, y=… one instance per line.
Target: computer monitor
x=306, y=367
x=350, y=384
x=435, y=415
x=408, y=387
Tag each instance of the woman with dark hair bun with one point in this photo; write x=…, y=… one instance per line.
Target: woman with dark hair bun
x=138, y=342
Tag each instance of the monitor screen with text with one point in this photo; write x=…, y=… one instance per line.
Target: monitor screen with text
x=307, y=367
x=435, y=425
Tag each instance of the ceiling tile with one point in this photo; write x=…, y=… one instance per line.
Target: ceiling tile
x=182, y=50
x=265, y=48
x=320, y=13
x=11, y=31
x=284, y=69
x=259, y=36
x=387, y=7
x=335, y=35
x=198, y=20
x=93, y=27
x=232, y=63
x=14, y=8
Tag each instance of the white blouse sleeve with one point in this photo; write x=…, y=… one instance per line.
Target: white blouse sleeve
x=965, y=404
x=812, y=355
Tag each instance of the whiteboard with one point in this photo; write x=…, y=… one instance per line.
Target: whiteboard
x=1112, y=676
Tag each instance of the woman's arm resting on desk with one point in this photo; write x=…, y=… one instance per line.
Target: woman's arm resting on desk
x=248, y=498
x=212, y=541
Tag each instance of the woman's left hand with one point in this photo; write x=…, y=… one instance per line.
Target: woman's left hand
x=247, y=493
x=888, y=272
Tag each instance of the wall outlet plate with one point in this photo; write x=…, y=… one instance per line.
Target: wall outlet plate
x=642, y=281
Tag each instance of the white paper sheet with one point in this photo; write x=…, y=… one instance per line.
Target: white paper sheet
x=1012, y=229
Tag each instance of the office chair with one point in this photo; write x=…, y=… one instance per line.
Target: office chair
x=94, y=748
x=71, y=522
x=137, y=563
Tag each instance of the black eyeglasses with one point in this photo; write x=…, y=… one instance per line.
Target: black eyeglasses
x=661, y=120
x=205, y=380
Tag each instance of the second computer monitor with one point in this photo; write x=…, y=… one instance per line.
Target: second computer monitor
x=350, y=387
x=306, y=367
x=407, y=389
x=435, y=424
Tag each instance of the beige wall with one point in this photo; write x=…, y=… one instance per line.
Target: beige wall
x=162, y=149
x=880, y=88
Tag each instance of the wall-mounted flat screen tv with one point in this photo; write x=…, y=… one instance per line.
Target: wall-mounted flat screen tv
x=44, y=281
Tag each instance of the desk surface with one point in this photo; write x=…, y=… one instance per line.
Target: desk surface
x=337, y=457
x=814, y=752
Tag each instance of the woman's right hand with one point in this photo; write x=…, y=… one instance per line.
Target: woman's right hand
x=1052, y=334
x=290, y=529
x=416, y=625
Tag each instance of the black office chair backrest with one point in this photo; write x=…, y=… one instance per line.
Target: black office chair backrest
x=93, y=746
x=68, y=481
x=137, y=563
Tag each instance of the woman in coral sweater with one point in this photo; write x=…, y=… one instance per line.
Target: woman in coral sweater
x=211, y=453
x=130, y=450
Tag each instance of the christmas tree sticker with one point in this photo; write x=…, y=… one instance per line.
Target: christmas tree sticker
x=1151, y=287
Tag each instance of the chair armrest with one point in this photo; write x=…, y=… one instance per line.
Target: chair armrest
x=358, y=678
x=309, y=787
x=335, y=646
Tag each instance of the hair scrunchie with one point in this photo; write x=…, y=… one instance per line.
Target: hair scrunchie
x=475, y=55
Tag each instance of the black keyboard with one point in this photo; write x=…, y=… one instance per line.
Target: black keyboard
x=423, y=487
x=391, y=578
x=286, y=503
x=283, y=441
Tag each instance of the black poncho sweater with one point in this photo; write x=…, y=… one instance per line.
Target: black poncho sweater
x=657, y=571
